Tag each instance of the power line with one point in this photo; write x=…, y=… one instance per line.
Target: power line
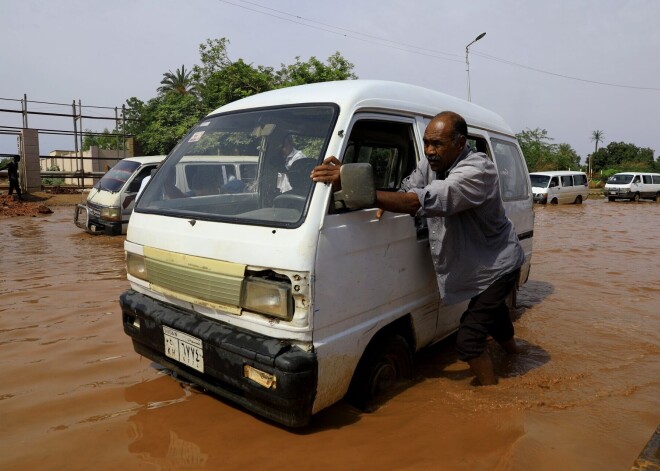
x=404, y=47
x=515, y=64
x=409, y=47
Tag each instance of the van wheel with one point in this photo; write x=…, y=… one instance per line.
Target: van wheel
x=386, y=361
x=611, y=198
x=554, y=201
x=578, y=200
x=635, y=198
x=657, y=197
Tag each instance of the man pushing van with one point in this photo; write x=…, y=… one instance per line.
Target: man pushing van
x=474, y=246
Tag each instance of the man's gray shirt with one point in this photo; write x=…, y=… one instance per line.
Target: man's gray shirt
x=472, y=241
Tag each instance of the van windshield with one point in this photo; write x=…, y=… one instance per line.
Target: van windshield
x=539, y=181
x=621, y=179
x=117, y=176
x=249, y=167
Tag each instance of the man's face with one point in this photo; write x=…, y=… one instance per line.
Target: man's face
x=286, y=148
x=439, y=146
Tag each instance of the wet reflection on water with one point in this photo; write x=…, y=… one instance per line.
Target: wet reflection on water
x=584, y=394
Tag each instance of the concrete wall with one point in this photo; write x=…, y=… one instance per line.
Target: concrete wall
x=94, y=160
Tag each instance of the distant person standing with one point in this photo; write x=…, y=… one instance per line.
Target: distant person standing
x=12, y=173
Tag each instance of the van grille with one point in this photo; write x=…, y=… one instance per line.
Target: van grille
x=204, y=285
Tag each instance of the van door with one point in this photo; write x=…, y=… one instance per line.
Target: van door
x=516, y=192
x=567, y=190
x=130, y=190
x=370, y=272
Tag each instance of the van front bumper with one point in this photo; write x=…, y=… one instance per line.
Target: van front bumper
x=88, y=218
x=227, y=351
x=540, y=198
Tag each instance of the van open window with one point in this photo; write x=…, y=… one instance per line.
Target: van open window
x=388, y=146
x=566, y=180
x=249, y=167
x=511, y=170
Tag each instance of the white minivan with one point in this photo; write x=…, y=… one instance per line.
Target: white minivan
x=633, y=186
x=561, y=186
x=110, y=202
x=286, y=302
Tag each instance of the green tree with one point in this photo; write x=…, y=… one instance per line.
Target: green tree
x=540, y=154
x=166, y=119
x=180, y=82
x=233, y=82
x=314, y=71
x=159, y=123
x=106, y=140
x=566, y=157
x=537, y=149
x=625, y=157
x=596, y=136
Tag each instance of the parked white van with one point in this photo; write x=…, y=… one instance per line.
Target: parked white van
x=286, y=302
x=633, y=186
x=557, y=187
x=110, y=202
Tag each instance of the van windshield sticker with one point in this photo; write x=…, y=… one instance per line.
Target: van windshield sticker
x=197, y=136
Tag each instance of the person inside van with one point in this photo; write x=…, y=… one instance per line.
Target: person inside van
x=474, y=247
x=290, y=155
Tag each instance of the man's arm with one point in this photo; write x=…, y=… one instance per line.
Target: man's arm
x=397, y=202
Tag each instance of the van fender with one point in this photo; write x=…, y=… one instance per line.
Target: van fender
x=338, y=358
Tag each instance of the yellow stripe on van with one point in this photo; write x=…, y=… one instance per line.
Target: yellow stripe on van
x=198, y=263
x=212, y=283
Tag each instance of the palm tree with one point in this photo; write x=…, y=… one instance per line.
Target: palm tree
x=177, y=82
x=597, y=136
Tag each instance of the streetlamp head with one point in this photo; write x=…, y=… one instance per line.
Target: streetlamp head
x=480, y=36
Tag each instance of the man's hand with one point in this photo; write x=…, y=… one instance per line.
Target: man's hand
x=328, y=172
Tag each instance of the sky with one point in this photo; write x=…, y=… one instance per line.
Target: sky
x=567, y=66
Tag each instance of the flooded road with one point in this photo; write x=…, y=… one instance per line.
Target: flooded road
x=585, y=395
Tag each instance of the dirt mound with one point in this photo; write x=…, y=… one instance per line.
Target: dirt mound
x=35, y=203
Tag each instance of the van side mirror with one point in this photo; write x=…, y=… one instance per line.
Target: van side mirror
x=358, y=190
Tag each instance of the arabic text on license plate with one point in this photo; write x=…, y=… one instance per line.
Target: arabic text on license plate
x=184, y=348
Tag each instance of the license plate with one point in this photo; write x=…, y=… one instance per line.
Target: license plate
x=612, y=192
x=184, y=348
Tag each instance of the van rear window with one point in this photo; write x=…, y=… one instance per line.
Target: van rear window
x=511, y=169
x=580, y=180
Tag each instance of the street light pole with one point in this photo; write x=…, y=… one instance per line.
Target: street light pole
x=467, y=62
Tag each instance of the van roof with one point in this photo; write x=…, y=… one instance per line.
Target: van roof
x=559, y=173
x=636, y=173
x=146, y=159
x=362, y=95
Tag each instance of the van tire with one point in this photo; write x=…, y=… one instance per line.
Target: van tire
x=386, y=361
x=635, y=198
x=611, y=198
x=554, y=201
x=578, y=200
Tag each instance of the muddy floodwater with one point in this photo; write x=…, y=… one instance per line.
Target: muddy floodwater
x=584, y=395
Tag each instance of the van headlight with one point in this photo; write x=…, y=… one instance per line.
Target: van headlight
x=135, y=266
x=268, y=297
x=112, y=213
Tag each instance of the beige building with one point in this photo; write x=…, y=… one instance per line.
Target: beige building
x=94, y=160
